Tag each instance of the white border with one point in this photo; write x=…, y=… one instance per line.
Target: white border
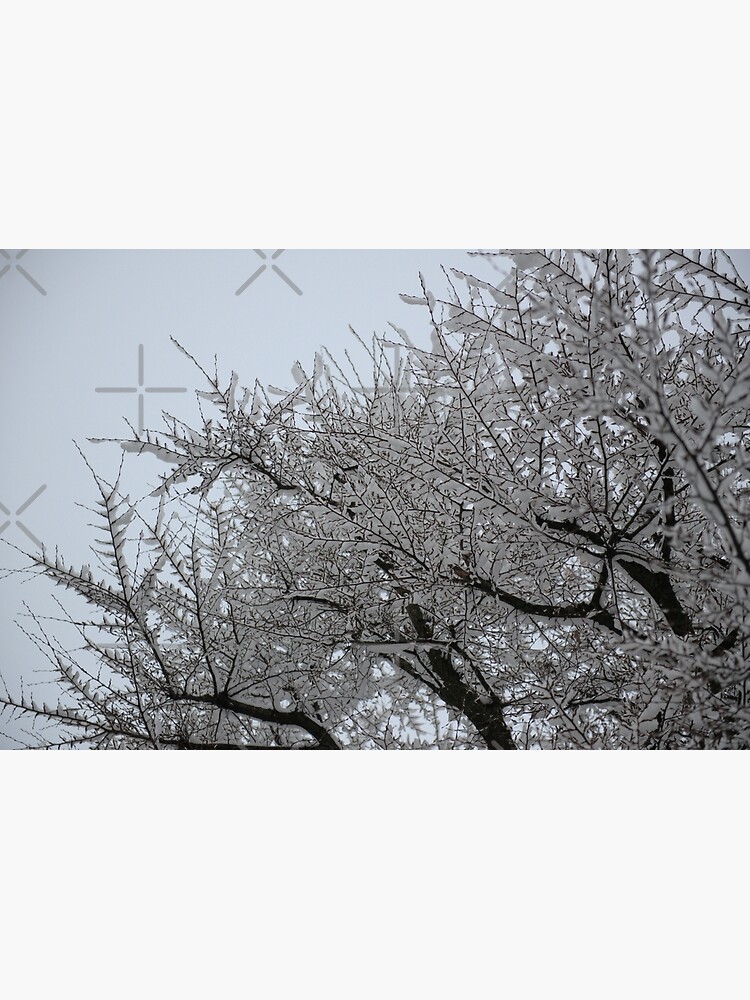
x=374, y=875
x=400, y=124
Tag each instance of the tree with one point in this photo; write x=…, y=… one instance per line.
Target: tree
x=532, y=534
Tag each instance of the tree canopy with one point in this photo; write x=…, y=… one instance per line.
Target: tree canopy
x=532, y=533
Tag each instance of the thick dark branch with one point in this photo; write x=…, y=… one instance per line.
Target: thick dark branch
x=581, y=609
x=669, y=516
x=571, y=528
x=726, y=643
x=322, y=601
x=655, y=582
x=484, y=712
x=295, y=718
x=185, y=744
x=659, y=587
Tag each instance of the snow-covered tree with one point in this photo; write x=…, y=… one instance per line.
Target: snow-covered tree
x=533, y=534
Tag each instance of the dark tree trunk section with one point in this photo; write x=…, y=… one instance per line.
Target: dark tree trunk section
x=485, y=715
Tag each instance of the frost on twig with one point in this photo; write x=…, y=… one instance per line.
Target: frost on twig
x=531, y=533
